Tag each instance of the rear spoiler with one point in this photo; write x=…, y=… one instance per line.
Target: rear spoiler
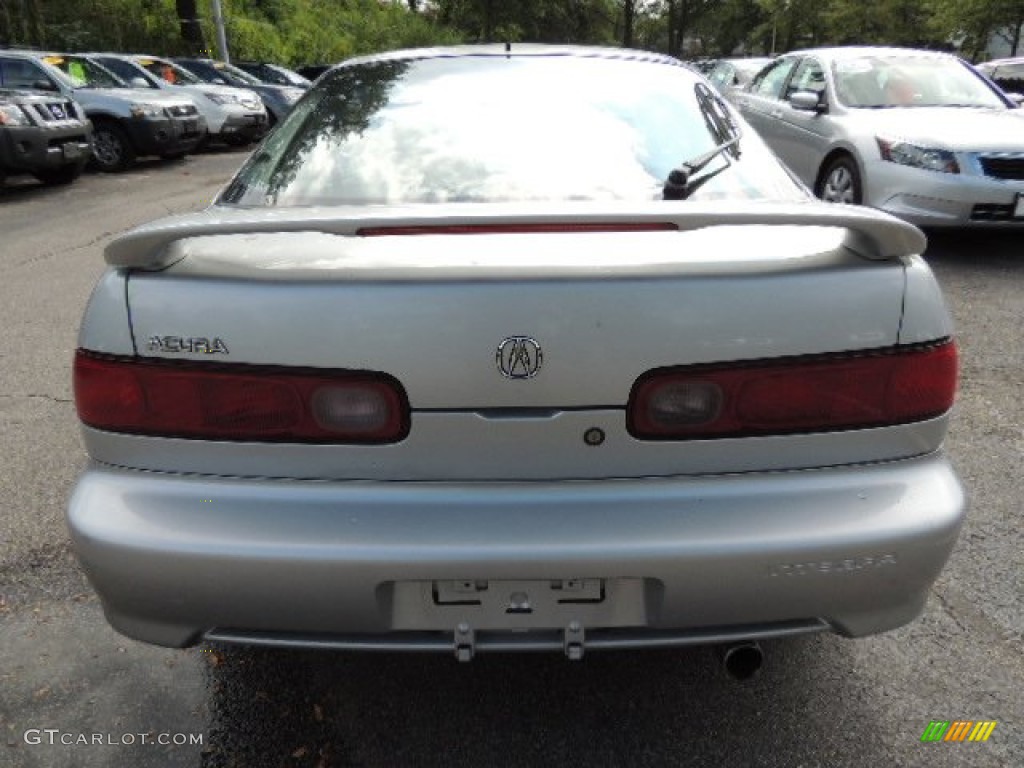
x=869, y=233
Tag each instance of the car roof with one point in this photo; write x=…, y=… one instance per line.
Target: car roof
x=48, y=54
x=1002, y=62
x=25, y=53
x=119, y=55
x=859, y=51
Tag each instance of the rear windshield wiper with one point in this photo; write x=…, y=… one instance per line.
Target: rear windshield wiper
x=681, y=184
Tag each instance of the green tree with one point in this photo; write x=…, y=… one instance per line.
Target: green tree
x=563, y=21
x=682, y=18
x=791, y=24
x=973, y=23
x=732, y=27
x=892, y=22
x=21, y=21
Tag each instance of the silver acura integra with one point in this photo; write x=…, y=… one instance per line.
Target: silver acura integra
x=492, y=349
x=919, y=134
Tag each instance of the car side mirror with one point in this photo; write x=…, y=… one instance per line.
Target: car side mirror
x=139, y=82
x=807, y=101
x=1016, y=98
x=44, y=85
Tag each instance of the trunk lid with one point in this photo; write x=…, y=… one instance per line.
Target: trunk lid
x=434, y=310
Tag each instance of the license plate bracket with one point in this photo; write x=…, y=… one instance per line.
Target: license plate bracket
x=518, y=604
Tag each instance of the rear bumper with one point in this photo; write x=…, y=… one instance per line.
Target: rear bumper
x=179, y=558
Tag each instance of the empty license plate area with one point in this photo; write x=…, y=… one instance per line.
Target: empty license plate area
x=515, y=604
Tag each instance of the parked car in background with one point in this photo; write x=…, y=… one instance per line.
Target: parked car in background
x=278, y=99
x=42, y=134
x=728, y=75
x=312, y=71
x=919, y=134
x=427, y=376
x=1008, y=74
x=274, y=74
x=127, y=122
x=233, y=115
x=702, y=65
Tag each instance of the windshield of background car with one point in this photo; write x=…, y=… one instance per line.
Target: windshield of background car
x=85, y=73
x=287, y=77
x=169, y=72
x=231, y=73
x=879, y=82
x=126, y=71
x=497, y=129
x=269, y=73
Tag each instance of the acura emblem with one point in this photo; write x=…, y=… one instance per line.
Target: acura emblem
x=519, y=357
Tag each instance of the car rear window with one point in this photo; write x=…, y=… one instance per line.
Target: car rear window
x=502, y=129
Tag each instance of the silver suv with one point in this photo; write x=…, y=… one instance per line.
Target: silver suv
x=233, y=115
x=44, y=135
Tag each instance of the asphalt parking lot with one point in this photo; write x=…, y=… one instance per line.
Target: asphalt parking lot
x=822, y=701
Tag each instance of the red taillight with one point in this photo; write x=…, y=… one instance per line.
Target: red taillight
x=238, y=402
x=809, y=394
x=520, y=229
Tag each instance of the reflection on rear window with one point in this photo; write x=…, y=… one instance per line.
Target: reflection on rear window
x=495, y=129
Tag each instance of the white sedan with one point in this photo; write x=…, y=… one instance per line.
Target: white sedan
x=919, y=134
x=491, y=349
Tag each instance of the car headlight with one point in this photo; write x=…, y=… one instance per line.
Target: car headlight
x=916, y=156
x=142, y=109
x=223, y=98
x=250, y=100
x=12, y=114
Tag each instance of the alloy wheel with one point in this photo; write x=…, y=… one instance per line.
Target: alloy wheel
x=839, y=186
x=108, y=149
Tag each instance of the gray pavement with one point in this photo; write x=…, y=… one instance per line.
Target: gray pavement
x=821, y=701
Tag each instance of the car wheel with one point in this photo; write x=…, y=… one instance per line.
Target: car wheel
x=840, y=183
x=53, y=177
x=111, y=149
